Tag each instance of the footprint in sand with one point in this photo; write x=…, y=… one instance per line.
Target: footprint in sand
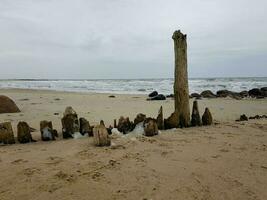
x=30, y=171
x=54, y=160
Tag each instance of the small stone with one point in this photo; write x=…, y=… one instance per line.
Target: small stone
x=207, y=117
x=6, y=133
x=243, y=118
x=24, y=133
x=150, y=127
x=111, y=96
x=195, y=117
x=101, y=137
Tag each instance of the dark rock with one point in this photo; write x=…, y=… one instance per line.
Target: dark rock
x=85, y=127
x=6, y=133
x=243, y=118
x=207, y=117
x=70, y=123
x=264, y=89
x=111, y=96
x=109, y=129
x=115, y=123
x=139, y=118
x=125, y=125
x=160, y=119
x=101, y=137
x=223, y=93
x=7, y=105
x=170, y=96
x=195, y=95
x=208, y=94
x=255, y=92
x=47, y=131
x=244, y=94
x=24, y=133
x=195, y=117
x=171, y=122
x=150, y=127
x=158, y=97
x=153, y=94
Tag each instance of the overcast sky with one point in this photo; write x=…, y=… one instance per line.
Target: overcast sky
x=131, y=38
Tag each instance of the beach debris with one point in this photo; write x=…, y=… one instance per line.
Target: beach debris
x=208, y=94
x=101, y=137
x=7, y=105
x=160, y=119
x=125, y=125
x=24, y=133
x=195, y=117
x=6, y=133
x=158, y=97
x=153, y=94
x=139, y=118
x=150, y=127
x=195, y=95
x=70, y=123
x=85, y=127
x=171, y=122
x=207, y=117
x=47, y=131
x=242, y=118
x=181, y=91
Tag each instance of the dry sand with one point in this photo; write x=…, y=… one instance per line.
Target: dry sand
x=223, y=161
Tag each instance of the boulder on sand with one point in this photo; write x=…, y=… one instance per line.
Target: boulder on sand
x=6, y=133
x=101, y=137
x=195, y=117
x=227, y=93
x=195, y=95
x=207, y=117
x=208, y=94
x=24, y=133
x=47, y=131
x=153, y=94
x=7, y=105
x=255, y=92
x=158, y=97
x=70, y=123
x=150, y=127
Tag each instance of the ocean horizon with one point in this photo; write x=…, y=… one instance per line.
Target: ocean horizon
x=135, y=86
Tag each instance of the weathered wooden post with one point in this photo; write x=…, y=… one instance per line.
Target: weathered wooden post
x=181, y=91
x=181, y=116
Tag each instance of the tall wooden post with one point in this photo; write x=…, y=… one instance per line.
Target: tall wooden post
x=181, y=91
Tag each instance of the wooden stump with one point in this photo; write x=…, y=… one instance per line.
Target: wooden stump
x=70, y=123
x=85, y=127
x=195, y=118
x=101, y=137
x=24, y=133
x=6, y=133
x=150, y=127
x=207, y=117
x=160, y=119
x=47, y=131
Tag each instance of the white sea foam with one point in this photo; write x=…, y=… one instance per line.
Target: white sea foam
x=141, y=86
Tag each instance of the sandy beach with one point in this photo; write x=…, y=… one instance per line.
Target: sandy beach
x=223, y=161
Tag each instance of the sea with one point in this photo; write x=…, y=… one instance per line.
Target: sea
x=134, y=86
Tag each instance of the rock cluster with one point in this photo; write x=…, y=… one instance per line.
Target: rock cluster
x=243, y=117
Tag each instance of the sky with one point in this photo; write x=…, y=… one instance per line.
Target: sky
x=89, y=39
